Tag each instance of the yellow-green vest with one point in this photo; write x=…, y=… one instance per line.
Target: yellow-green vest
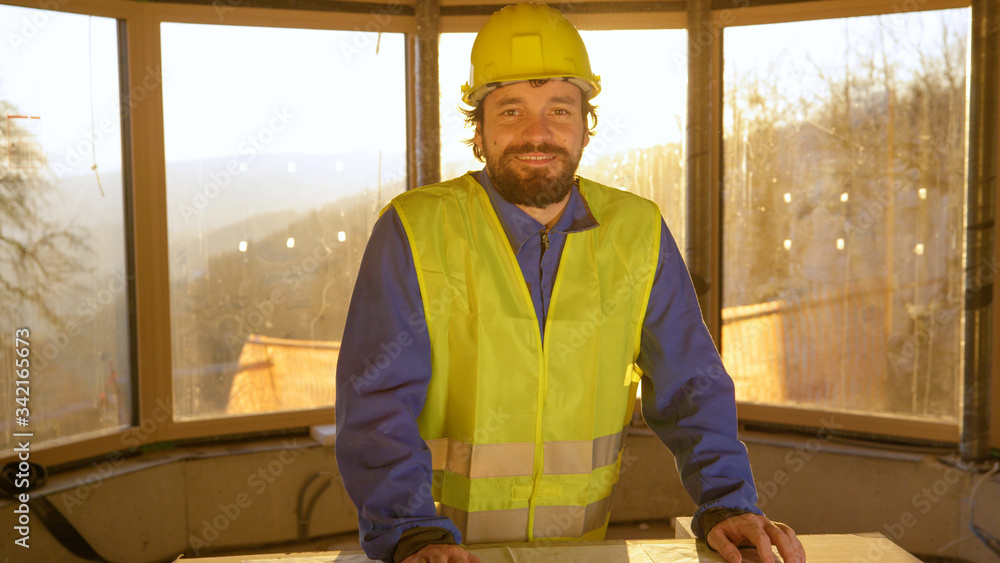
x=526, y=437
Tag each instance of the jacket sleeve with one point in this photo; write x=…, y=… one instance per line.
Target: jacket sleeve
x=688, y=398
x=382, y=376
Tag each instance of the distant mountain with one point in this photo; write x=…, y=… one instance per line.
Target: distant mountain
x=214, y=204
x=208, y=194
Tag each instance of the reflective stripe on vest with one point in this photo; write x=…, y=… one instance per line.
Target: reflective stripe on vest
x=513, y=460
x=494, y=526
x=526, y=436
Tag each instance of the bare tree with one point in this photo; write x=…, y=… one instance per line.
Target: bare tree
x=39, y=257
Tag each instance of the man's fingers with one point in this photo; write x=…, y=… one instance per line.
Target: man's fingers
x=446, y=558
x=759, y=532
x=761, y=540
x=788, y=544
x=442, y=554
x=729, y=551
x=721, y=543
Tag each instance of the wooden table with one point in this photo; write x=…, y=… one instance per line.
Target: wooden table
x=839, y=548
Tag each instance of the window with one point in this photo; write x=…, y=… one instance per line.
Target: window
x=641, y=111
x=282, y=146
x=62, y=228
x=843, y=213
x=843, y=203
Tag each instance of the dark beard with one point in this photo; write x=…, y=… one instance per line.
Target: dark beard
x=534, y=188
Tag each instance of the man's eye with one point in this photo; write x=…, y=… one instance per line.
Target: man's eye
x=509, y=112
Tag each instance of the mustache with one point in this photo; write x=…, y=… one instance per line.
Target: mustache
x=547, y=148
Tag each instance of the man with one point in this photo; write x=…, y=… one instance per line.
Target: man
x=501, y=323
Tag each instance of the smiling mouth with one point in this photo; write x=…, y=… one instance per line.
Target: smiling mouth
x=536, y=154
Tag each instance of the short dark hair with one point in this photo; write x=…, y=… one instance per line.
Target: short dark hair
x=474, y=117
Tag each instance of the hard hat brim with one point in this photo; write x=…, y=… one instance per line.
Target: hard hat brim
x=589, y=89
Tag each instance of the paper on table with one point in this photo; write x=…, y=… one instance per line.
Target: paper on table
x=674, y=552
x=619, y=553
x=312, y=559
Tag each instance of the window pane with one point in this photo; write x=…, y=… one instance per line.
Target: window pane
x=844, y=193
x=641, y=112
x=62, y=234
x=277, y=167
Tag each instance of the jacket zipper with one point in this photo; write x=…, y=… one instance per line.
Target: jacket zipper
x=541, y=271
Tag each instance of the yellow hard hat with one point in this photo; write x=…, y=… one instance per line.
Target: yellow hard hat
x=528, y=42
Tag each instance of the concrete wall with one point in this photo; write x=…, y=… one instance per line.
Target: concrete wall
x=199, y=500
x=211, y=499
x=817, y=486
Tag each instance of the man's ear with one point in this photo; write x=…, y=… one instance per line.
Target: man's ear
x=477, y=137
x=586, y=138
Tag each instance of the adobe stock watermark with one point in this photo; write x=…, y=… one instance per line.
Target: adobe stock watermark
x=564, y=525
x=374, y=366
x=390, y=350
x=362, y=37
x=703, y=39
x=922, y=502
x=247, y=151
x=704, y=379
x=872, y=211
x=257, y=482
x=756, y=327
x=460, y=456
x=297, y=273
x=496, y=419
x=223, y=6
x=900, y=9
x=260, y=312
x=598, y=145
x=561, y=525
x=580, y=334
x=92, y=138
x=983, y=276
x=421, y=499
x=131, y=440
x=32, y=25
x=258, y=316
x=796, y=460
x=87, y=312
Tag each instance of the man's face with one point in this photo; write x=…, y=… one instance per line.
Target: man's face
x=533, y=137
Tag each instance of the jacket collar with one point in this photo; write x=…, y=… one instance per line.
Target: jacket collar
x=519, y=226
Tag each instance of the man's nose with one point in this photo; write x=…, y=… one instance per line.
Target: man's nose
x=537, y=130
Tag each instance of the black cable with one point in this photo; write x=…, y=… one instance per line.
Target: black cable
x=14, y=480
x=63, y=530
x=304, y=514
x=988, y=539
x=303, y=526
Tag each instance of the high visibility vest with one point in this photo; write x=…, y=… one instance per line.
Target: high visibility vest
x=526, y=436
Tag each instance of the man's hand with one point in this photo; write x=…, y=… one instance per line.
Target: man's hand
x=442, y=554
x=753, y=530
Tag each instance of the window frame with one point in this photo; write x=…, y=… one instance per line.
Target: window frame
x=909, y=428
x=155, y=300
x=146, y=213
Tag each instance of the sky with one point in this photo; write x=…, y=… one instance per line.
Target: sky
x=47, y=60
x=792, y=53
x=223, y=83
